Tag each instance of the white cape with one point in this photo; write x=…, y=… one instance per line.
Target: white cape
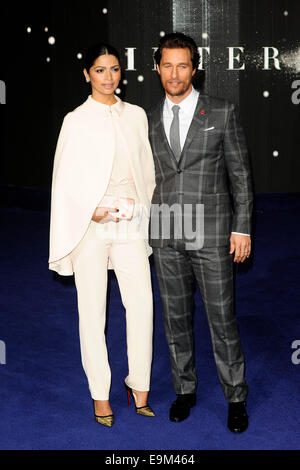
x=82, y=168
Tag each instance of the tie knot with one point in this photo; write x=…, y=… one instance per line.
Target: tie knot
x=175, y=109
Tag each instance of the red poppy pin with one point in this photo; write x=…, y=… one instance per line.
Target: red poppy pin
x=202, y=111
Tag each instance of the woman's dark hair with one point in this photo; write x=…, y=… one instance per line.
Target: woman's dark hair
x=178, y=40
x=95, y=51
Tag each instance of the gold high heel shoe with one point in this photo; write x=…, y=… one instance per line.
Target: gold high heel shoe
x=105, y=420
x=141, y=410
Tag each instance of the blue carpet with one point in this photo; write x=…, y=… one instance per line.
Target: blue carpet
x=45, y=402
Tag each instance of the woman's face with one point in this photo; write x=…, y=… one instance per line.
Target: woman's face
x=104, y=74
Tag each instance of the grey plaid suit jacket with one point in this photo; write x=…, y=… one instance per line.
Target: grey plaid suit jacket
x=213, y=167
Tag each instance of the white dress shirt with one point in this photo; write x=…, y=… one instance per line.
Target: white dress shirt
x=186, y=113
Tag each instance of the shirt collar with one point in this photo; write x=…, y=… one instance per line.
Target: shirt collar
x=187, y=105
x=115, y=108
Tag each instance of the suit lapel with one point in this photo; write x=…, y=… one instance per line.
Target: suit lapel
x=199, y=122
x=161, y=130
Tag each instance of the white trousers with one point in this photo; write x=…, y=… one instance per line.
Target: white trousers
x=131, y=265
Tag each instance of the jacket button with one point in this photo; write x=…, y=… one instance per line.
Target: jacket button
x=179, y=170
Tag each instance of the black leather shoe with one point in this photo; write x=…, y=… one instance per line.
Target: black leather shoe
x=237, y=417
x=180, y=409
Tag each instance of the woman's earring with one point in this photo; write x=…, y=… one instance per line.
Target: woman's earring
x=87, y=80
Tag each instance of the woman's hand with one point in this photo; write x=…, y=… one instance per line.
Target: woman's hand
x=101, y=215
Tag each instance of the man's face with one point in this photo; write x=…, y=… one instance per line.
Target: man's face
x=176, y=72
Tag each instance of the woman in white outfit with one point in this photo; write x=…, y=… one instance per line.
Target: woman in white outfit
x=103, y=180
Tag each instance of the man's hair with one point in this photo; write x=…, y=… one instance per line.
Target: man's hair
x=178, y=40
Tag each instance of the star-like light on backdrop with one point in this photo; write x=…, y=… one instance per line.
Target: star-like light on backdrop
x=291, y=59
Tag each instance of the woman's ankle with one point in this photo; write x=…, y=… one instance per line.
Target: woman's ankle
x=102, y=407
x=141, y=398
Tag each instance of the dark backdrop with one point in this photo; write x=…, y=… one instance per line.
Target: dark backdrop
x=40, y=92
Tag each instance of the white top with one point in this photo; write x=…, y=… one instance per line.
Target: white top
x=186, y=113
x=121, y=183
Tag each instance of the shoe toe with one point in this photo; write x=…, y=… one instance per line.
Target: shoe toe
x=145, y=411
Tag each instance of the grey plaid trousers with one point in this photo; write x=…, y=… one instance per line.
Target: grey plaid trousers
x=212, y=268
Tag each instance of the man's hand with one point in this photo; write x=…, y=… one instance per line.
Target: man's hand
x=101, y=215
x=241, y=246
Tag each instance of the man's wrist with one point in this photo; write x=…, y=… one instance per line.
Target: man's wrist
x=239, y=233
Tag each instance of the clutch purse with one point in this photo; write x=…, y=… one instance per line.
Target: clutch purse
x=124, y=204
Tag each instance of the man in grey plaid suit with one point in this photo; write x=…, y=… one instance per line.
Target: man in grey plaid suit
x=201, y=162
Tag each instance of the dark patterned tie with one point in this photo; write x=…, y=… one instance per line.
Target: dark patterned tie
x=174, y=133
